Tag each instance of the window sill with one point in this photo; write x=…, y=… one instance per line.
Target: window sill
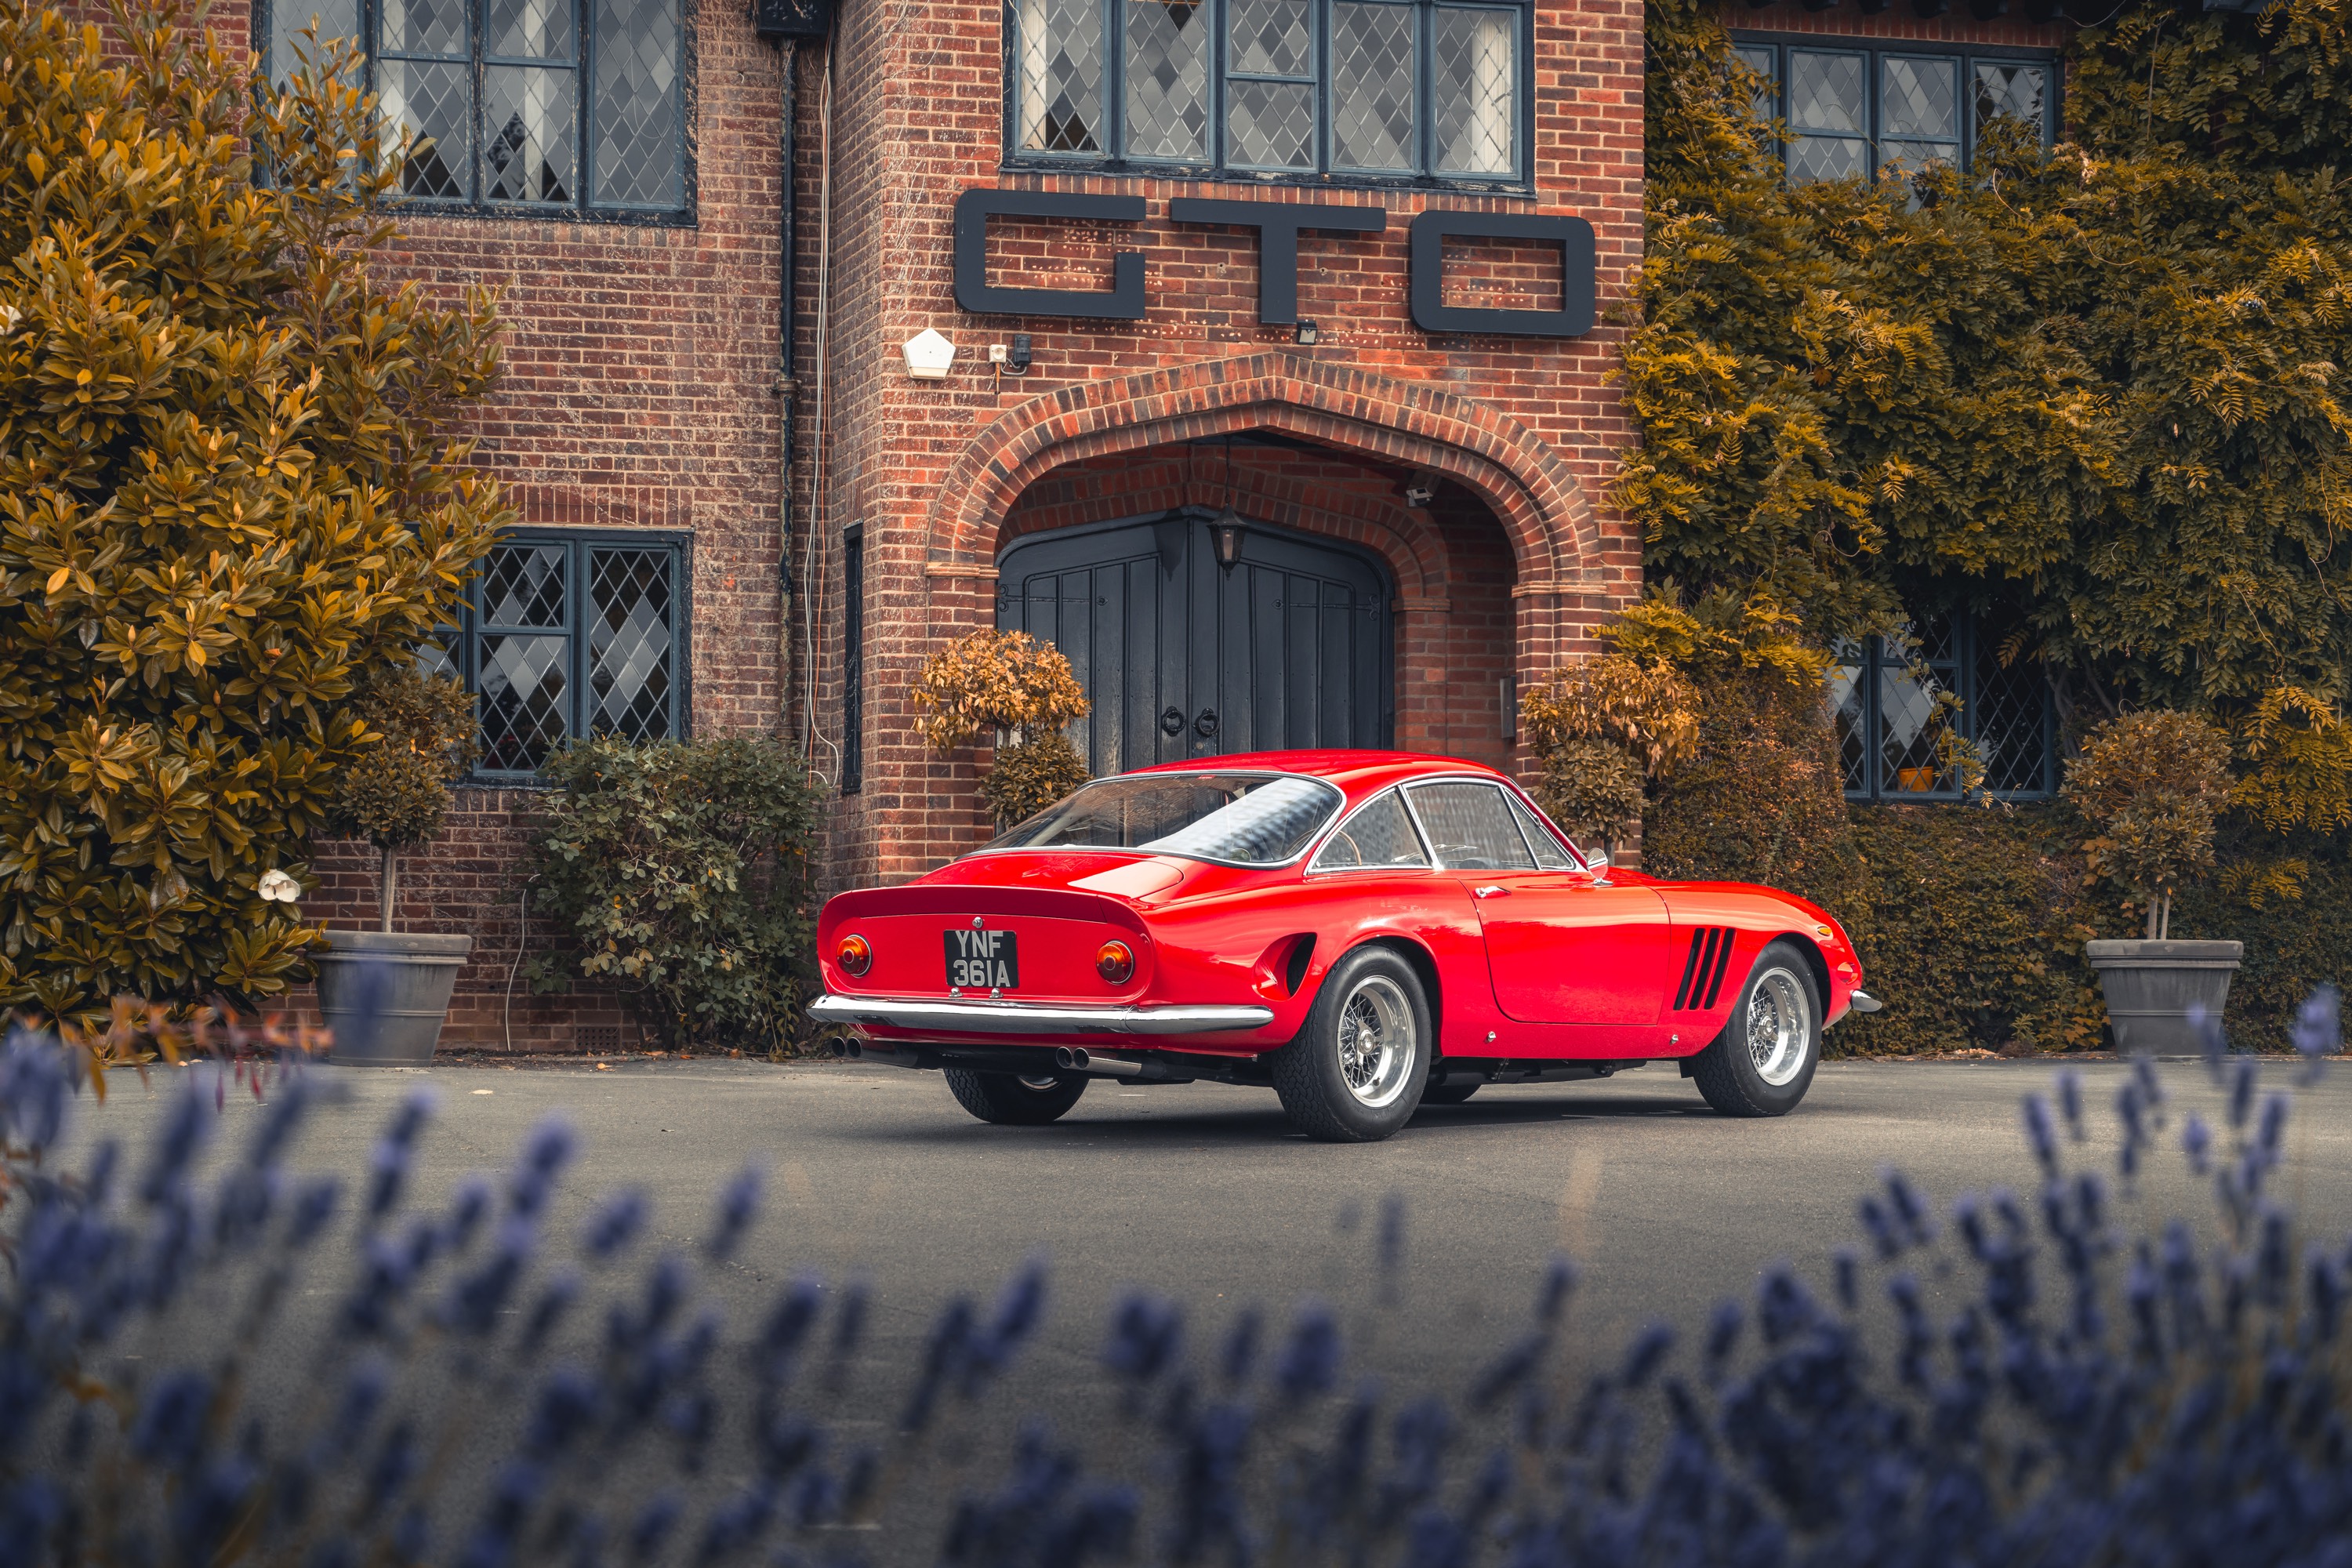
x=523, y=212
x=1467, y=185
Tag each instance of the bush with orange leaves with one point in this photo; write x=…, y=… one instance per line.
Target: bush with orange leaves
x=1009, y=685
x=1602, y=728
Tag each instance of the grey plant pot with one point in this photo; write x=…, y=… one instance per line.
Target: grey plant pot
x=2152, y=985
x=384, y=994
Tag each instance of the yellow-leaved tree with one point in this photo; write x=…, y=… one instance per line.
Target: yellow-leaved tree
x=228, y=487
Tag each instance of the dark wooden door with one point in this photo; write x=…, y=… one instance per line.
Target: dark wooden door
x=1289, y=646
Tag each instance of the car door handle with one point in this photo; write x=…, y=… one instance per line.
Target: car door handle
x=1491, y=892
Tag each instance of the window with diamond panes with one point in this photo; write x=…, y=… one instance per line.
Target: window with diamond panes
x=528, y=105
x=1855, y=108
x=1888, y=699
x=1397, y=90
x=567, y=634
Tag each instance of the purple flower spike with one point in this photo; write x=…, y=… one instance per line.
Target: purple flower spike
x=2069, y=1102
x=1551, y=1296
x=739, y=1203
x=2039, y=1133
x=1310, y=1361
x=2318, y=1027
x=2197, y=1142
x=614, y=1224
x=2210, y=1039
x=2241, y=1092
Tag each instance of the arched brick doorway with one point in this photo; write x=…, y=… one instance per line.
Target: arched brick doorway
x=1198, y=633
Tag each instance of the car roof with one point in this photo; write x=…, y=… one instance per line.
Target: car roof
x=1358, y=773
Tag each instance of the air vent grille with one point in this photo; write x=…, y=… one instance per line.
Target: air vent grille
x=1704, y=969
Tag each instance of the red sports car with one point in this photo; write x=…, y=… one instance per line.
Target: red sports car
x=1365, y=932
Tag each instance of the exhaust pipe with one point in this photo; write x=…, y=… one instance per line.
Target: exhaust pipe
x=857, y=1050
x=1102, y=1064
x=1078, y=1059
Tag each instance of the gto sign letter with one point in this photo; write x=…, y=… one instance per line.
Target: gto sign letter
x=1279, y=227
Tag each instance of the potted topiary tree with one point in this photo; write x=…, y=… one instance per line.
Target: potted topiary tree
x=2148, y=786
x=384, y=992
x=1023, y=693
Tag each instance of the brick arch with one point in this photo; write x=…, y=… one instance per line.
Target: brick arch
x=1413, y=549
x=1555, y=539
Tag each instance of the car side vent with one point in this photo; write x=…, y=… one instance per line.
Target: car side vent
x=1702, y=971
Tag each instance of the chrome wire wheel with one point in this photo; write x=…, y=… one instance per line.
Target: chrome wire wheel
x=1780, y=1026
x=1377, y=1044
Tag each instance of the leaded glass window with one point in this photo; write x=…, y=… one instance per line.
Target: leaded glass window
x=568, y=634
x=1894, y=699
x=528, y=105
x=1856, y=108
x=1405, y=90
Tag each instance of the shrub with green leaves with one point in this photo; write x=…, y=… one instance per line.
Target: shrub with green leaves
x=227, y=488
x=679, y=869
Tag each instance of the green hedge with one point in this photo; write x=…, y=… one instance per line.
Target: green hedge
x=1971, y=923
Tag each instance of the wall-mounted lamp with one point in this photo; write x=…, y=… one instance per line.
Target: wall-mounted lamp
x=1420, y=492
x=929, y=356
x=1307, y=335
x=1228, y=530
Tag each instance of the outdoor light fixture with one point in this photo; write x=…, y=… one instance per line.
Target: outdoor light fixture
x=1420, y=492
x=929, y=356
x=1307, y=336
x=1229, y=528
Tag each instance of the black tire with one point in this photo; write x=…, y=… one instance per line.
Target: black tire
x=1008, y=1099
x=1371, y=989
x=1450, y=1093
x=1745, y=1070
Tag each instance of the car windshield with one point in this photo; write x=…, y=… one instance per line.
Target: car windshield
x=1254, y=819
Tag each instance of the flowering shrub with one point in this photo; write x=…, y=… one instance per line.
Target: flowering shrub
x=2102, y=1394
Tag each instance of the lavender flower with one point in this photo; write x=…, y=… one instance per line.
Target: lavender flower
x=739, y=1202
x=1309, y=1363
x=614, y=1224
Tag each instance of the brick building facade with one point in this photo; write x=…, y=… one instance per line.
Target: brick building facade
x=727, y=526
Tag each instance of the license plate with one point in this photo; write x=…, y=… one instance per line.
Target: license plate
x=983, y=960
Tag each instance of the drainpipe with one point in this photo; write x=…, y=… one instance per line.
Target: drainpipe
x=787, y=390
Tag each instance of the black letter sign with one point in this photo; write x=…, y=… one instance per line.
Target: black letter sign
x=1572, y=235
x=976, y=208
x=1278, y=225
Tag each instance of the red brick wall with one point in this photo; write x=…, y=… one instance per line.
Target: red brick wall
x=1526, y=431
x=640, y=391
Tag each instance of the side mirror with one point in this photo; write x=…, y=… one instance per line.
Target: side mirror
x=1597, y=862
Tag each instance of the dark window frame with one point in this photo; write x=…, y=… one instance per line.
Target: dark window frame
x=584, y=64
x=579, y=687
x=1871, y=49
x=1114, y=159
x=853, y=659
x=1968, y=650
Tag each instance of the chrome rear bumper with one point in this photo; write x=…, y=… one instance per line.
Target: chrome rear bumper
x=1863, y=1002
x=1034, y=1018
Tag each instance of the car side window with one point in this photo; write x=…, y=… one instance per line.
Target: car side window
x=1549, y=854
x=1471, y=828
x=1379, y=835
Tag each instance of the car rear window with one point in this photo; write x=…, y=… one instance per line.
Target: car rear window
x=1251, y=819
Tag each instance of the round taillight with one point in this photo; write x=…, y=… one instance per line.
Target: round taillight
x=1115, y=962
x=853, y=955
